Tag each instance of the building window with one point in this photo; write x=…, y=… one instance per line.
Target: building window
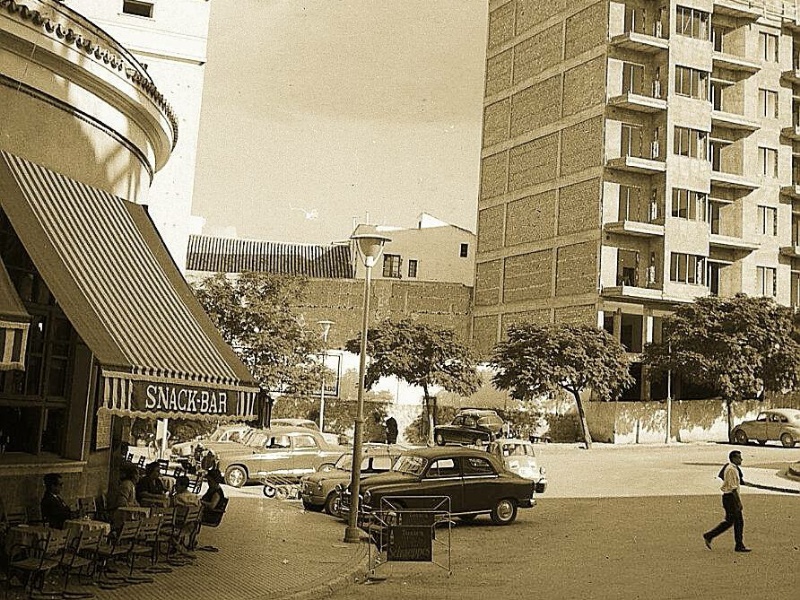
x=768, y=103
x=768, y=161
x=794, y=301
x=689, y=204
x=691, y=82
x=135, y=7
x=767, y=220
x=631, y=141
x=412, y=269
x=391, y=265
x=692, y=23
x=768, y=46
x=463, y=251
x=690, y=142
x=767, y=281
x=687, y=268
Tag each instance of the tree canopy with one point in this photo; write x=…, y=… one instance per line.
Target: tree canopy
x=740, y=347
x=254, y=314
x=420, y=355
x=537, y=360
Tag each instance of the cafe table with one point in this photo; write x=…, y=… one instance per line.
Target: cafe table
x=29, y=536
x=76, y=526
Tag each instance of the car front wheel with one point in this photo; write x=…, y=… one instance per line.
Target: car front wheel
x=333, y=505
x=235, y=476
x=740, y=437
x=504, y=512
x=787, y=440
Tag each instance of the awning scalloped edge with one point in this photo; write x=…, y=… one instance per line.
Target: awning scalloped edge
x=172, y=415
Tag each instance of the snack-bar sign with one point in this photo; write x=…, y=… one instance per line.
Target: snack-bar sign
x=156, y=397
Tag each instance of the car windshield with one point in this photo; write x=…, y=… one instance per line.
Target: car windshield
x=214, y=437
x=517, y=450
x=345, y=462
x=409, y=464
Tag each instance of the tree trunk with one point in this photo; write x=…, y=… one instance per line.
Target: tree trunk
x=587, y=438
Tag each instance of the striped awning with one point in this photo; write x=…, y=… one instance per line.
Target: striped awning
x=14, y=323
x=108, y=268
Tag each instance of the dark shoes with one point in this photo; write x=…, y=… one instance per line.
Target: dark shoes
x=742, y=549
x=707, y=540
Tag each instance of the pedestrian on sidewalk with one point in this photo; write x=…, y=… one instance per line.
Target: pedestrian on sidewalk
x=732, y=480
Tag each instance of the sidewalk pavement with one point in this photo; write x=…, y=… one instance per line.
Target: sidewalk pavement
x=268, y=549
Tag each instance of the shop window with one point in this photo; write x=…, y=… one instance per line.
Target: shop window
x=138, y=8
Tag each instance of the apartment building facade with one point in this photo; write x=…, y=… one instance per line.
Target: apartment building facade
x=636, y=155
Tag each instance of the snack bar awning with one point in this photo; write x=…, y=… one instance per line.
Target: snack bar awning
x=14, y=324
x=106, y=265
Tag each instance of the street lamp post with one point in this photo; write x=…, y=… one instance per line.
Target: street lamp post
x=370, y=247
x=326, y=327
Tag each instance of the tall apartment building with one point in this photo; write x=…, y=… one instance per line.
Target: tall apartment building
x=636, y=155
x=169, y=38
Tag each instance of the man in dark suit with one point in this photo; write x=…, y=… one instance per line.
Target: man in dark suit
x=54, y=510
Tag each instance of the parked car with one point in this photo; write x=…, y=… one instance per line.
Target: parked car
x=470, y=426
x=781, y=424
x=319, y=490
x=475, y=481
x=283, y=454
x=331, y=438
x=519, y=456
x=222, y=434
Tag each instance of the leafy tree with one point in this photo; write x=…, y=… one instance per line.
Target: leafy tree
x=537, y=360
x=253, y=312
x=420, y=355
x=740, y=347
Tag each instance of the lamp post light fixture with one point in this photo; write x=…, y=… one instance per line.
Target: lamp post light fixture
x=370, y=247
x=326, y=327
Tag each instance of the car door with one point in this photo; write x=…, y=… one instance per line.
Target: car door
x=443, y=478
x=469, y=430
x=306, y=454
x=480, y=484
x=775, y=425
x=758, y=430
x=273, y=458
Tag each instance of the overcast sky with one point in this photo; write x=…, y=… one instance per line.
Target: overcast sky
x=316, y=112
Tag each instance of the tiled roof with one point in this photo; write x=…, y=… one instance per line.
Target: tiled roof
x=232, y=255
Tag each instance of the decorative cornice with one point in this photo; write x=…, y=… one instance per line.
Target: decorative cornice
x=115, y=59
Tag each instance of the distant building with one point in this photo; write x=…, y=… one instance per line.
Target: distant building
x=636, y=155
x=169, y=39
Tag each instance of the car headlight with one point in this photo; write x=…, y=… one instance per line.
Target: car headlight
x=340, y=487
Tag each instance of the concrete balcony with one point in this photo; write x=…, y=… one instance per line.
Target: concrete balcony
x=739, y=9
x=723, y=60
x=636, y=164
x=638, y=103
x=652, y=293
x=791, y=191
x=733, y=121
x=790, y=251
x=728, y=242
x=732, y=181
x=640, y=42
x=791, y=133
x=792, y=76
x=635, y=228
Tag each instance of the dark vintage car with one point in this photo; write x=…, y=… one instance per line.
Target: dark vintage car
x=475, y=481
x=282, y=454
x=470, y=426
x=319, y=490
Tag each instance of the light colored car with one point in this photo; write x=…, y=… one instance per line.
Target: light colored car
x=222, y=434
x=280, y=455
x=331, y=438
x=319, y=490
x=519, y=456
x=781, y=424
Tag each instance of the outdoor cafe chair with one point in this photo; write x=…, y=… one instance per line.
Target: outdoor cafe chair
x=145, y=545
x=119, y=546
x=80, y=557
x=35, y=562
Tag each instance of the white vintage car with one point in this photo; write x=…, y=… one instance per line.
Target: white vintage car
x=519, y=456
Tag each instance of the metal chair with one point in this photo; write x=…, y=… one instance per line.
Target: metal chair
x=34, y=563
x=119, y=546
x=80, y=556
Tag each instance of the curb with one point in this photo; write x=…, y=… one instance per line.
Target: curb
x=346, y=578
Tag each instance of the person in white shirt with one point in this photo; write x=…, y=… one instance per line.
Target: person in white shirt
x=732, y=480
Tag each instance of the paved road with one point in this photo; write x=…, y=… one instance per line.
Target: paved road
x=619, y=522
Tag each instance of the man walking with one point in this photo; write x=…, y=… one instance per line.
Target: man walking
x=731, y=476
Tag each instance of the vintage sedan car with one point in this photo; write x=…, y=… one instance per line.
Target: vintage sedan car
x=331, y=438
x=221, y=435
x=519, y=456
x=320, y=490
x=280, y=454
x=781, y=424
x=470, y=426
x=475, y=481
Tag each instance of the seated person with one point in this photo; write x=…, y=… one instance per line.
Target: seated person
x=150, y=490
x=182, y=496
x=126, y=491
x=214, y=495
x=54, y=510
